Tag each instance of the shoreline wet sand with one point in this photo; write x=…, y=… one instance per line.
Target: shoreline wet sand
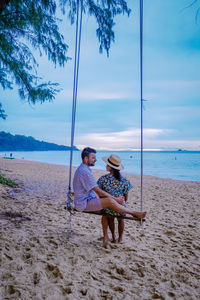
x=40, y=261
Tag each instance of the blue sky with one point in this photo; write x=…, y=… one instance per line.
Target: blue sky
x=108, y=104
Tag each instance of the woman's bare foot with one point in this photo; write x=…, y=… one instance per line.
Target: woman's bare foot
x=139, y=215
x=120, y=241
x=105, y=242
x=114, y=240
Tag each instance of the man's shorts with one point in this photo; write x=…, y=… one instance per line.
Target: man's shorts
x=93, y=204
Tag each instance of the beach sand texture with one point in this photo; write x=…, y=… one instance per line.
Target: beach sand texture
x=40, y=261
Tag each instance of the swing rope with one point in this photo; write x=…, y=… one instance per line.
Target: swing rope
x=69, y=201
x=75, y=85
x=141, y=100
x=75, y=88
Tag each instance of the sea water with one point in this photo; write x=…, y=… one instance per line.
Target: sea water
x=181, y=165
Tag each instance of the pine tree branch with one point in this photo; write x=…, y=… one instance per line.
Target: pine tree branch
x=3, y=4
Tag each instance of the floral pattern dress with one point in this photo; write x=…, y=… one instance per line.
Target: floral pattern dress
x=116, y=188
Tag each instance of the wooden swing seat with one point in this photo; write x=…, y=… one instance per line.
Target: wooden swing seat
x=101, y=213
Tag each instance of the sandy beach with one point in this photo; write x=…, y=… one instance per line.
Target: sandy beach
x=39, y=260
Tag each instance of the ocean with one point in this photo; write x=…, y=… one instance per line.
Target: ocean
x=181, y=165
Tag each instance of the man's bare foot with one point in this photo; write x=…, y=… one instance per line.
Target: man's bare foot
x=139, y=215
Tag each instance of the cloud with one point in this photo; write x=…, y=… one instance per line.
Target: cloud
x=119, y=140
x=99, y=95
x=180, y=84
x=154, y=139
x=115, y=91
x=153, y=89
x=96, y=95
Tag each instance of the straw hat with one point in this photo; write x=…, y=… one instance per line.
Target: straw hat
x=114, y=161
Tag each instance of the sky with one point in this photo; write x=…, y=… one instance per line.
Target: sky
x=108, y=103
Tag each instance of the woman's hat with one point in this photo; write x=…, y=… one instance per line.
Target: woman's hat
x=114, y=161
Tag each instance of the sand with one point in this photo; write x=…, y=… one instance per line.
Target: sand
x=39, y=260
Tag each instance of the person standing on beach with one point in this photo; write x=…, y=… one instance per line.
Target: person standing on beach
x=116, y=185
x=88, y=196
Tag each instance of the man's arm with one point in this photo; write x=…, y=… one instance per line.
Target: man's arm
x=100, y=192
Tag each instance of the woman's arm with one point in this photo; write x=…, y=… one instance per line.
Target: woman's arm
x=126, y=197
x=103, y=194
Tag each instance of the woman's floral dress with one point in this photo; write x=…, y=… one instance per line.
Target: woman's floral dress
x=116, y=188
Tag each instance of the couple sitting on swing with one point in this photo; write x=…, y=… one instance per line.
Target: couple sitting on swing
x=110, y=193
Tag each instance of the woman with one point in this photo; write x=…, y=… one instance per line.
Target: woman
x=116, y=185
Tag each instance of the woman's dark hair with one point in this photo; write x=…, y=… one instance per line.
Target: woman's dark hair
x=116, y=174
x=87, y=151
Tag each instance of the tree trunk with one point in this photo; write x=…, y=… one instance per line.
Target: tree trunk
x=3, y=4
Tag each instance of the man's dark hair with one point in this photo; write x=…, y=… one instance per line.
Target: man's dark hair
x=87, y=151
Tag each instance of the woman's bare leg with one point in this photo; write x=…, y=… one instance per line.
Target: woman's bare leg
x=104, y=223
x=120, y=229
x=111, y=224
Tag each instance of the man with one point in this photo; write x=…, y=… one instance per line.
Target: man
x=88, y=196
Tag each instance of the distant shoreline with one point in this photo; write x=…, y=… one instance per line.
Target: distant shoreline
x=42, y=150
x=76, y=149
x=10, y=142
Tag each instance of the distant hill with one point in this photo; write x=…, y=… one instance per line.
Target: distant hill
x=9, y=142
